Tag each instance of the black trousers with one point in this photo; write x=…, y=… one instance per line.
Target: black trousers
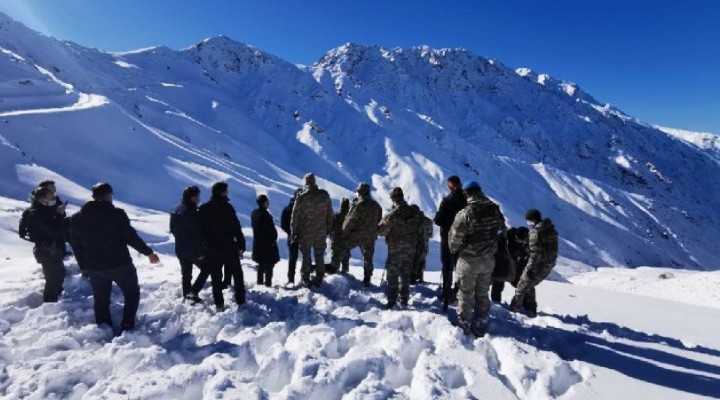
x=265, y=274
x=447, y=265
x=127, y=280
x=186, y=267
x=216, y=276
x=51, y=259
x=294, y=250
x=214, y=265
x=496, y=291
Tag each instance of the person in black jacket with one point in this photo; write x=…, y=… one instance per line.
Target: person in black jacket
x=185, y=226
x=101, y=234
x=265, y=251
x=223, y=242
x=449, y=207
x=293, y=246
x=44, y=222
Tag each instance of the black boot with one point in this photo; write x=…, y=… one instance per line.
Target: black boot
x=366, y=281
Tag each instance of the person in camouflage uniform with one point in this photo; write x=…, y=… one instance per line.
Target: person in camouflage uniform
x=424, y=234
x=337, y=237
x=543, y=243
x=473, y=240
x=400, y=228
x=311, y=221
x=360, y=229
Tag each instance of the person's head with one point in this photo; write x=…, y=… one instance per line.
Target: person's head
x=191, y=194
x=363, y=189
x=309, y=179
x=472, y=189
x=48, y=184
x=102, y=192
x=533, y=217
x=220, y=189
x=397, y=195
x=345, y=205
x=45, y=196
x=454, y=183
x=263, y=201
x=521, y=234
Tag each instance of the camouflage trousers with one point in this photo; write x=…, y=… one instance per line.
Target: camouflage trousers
x=399, y=269
x=525, y=291
x=307, y=249
x=343, y=253
x=419, y=263
x=474, y=276
x=336, y=247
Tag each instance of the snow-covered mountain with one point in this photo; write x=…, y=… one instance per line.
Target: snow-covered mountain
x=155, y=120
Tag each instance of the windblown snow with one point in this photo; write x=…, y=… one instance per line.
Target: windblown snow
x=622, y=193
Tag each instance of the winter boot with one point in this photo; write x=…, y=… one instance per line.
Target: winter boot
x=404, y=301
x=515, y=305
x=366, y=281
x=530, y=309
x=390, y=304
x=260, y=274
x=306, y=281
x=479, y=327
x=464, y=325
x=193, y=298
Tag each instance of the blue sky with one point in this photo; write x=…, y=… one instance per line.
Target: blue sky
x=656, y=60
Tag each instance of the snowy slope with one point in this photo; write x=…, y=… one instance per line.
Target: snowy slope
x=155, y=120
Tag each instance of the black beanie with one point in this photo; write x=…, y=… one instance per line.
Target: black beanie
x=533, y=215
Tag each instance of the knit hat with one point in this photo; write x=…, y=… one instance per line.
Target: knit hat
x=100, y=190
x=533, y=215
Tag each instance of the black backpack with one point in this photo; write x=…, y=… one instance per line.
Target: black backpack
x=24, y=227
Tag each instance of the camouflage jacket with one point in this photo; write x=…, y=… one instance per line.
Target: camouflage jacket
x=474, y=233
x=312, y=215
x=361, y=223
x=400, y=228
x=543, y=242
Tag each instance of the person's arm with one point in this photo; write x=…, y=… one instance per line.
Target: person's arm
x=458, y=231
x=130, y=235
x=328, y=215
x=535, y=256
x=237, y=232
x=285, y=219
x=296, y=216
x=384, y=226
x=441, y=217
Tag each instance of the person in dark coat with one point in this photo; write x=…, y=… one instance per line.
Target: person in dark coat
x=44, y=222
x=517, y=244
x=101, y=234
x=293, y=246
x=449, y=207
x=265, y=251
x=223, y=243
x=185, y=226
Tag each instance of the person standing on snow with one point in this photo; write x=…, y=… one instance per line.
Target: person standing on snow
x=265, y=250
x=426, y=231
x=101, y=234
x=185, y=226
x=473, y=239
x=311, y=222
x=543, y=244
x=360, y=229
x=337, y=239
x=43, y=225
x=449, y=207
x=517, y=245
x=400, y=227
x=293, y=247
x=223, y=243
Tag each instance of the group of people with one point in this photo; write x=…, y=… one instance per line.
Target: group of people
x=477, y=249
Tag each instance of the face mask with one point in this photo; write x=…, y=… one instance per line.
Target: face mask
x=530, y=223
x=51, y=203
